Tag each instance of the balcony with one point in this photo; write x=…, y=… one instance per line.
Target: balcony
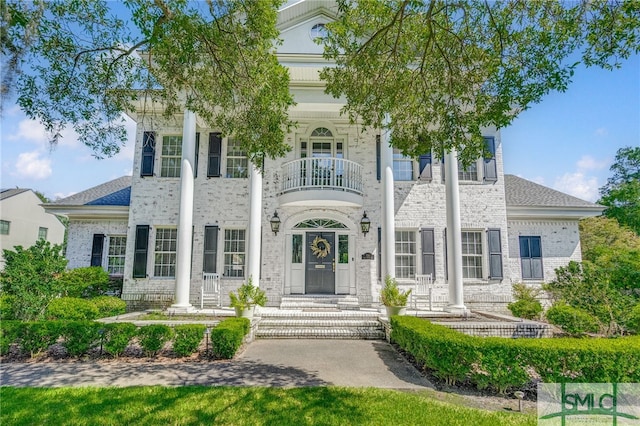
x=321, y=182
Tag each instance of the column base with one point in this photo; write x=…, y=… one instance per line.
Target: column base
x=181, y=309
x=458, y=310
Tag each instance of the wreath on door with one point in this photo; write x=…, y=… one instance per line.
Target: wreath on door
x=320, y=247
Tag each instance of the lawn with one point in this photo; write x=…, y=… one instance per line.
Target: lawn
x=195, y=405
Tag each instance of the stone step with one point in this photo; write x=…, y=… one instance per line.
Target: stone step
x=318, y=314
x=318, y=323
x=320, y=333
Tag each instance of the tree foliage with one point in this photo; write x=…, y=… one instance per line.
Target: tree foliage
x=443, y=70
x=79, y=63
x=621, y=193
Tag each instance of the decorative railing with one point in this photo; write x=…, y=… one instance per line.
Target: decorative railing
x=322, y=173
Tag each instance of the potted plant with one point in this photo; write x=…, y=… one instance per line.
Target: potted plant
x=394, y=299
x=245, y=301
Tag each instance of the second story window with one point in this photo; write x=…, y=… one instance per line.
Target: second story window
x=402, y=166
x=171, y=156
x=4, y=227
x=42, y=233
x=468, y=173
x=237, y=161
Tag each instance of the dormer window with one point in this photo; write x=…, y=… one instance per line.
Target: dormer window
x=318, y=31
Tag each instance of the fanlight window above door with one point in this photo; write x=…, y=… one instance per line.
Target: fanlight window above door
x=321, y=223
x=322, y=132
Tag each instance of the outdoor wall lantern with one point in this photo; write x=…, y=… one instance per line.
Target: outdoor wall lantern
x=275, y=222
x=365, y=223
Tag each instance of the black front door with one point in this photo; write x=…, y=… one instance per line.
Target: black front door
x=320, y=276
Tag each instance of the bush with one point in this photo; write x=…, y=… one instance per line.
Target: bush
x=90, y=281
x=80, y=336
x=71, y=308
x=391, y=295
x=187, y=338
x=574, y=321
x=153, y=337
x=9, y=332
x=116, y=337
x=37, y=336
x=30, y=275
x=633, y=320
x=109, y=306
x=227, y=337
x=526, y=304
x=7, y=302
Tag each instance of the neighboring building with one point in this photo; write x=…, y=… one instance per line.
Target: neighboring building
x=177, y=227
x=23, y=221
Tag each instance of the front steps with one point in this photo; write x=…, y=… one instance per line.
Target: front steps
x=320, y=318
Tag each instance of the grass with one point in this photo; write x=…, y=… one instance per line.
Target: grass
x=195, y=405
x=161, y=316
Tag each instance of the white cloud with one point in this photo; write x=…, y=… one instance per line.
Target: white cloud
x=587, y=162
x=601, y=132
x=579, y=185
x=34, y=132
x=30, y=165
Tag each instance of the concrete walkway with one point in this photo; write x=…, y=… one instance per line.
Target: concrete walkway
x=289, y=363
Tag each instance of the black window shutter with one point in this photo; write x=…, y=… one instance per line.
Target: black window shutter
x=215, y=151
x=428, y=252
x=495, y=253
x=378, y=165
x=210, y=248
x=148, y=153
x=379, y=253
x=425, y=166
x=531, y=257
x=140, y=253
x=490, y=168
x=446, y=255
x=96, y=249
x=195, y=165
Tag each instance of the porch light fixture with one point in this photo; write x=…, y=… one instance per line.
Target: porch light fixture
x=275, y=222
x=365, y=223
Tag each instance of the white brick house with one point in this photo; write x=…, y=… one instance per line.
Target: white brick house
x=195, y=206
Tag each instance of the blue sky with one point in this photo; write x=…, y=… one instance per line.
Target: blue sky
x=567, y=142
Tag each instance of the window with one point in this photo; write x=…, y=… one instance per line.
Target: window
x=237, y=162
x=148, y=153
x=171, y=156
x=115, y=258
x=405, y=254
x=531, y=258
x=234, y=242
x=472, y=254
x=165, y=254
x=343, y=249
x=42, y=233
x=318, y=31
x=296, y=248
x=4, y=227
x=469, y=173
x=402, y=166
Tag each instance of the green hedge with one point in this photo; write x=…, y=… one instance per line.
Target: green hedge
x=72, y=309
x=37, y=336
x=9, y=332
x=109, y=306
x=116, y=337
x=80, y=336
x=153, y=337
x=187, y=338
x=501, y=364
x=574, y=321
x=227, y=337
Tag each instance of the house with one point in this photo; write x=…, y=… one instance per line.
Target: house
x=336, y=215
x=23, y=221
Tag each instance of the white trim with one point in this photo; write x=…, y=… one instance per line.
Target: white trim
x=552, y=212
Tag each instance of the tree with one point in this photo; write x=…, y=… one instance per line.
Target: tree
x=444, y=69
x=80, y=63
x=621, y=193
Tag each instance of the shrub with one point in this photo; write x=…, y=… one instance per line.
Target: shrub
x=526, y=304
x=153, y=337
x=80, y=336
x=9, y=332
x=37, y=336
x=633, y=320
x=574, y=321
x=7, y=302
x=391, y=295
x=109, y=306
x=187, y=338
x=30, y=275
x=248, y=296
x=227, y=337
x=116, y=337
x=71, y=308
x=90, y=281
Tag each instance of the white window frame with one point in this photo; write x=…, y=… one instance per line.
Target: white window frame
x=171, y=160
x=400, y=169
x=165, y=252
x=406, y=239
x=237, y=161
x=466, y=256
x=116, y=251
x=467, y=175
x=42, y=233
x=5, y=227
x=235, y=257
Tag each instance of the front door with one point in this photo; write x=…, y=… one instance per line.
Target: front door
x=320, y=265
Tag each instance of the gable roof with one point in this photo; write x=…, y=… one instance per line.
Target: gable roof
x=116, y=192
x=7, y=193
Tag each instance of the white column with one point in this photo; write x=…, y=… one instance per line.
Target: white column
x=255, y=225
x=185, y=220
x=454, y=233
x=388, y=210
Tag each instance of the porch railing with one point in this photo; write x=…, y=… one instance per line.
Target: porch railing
x=210, y=290
x=322, y=173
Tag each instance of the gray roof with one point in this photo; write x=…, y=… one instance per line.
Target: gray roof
x=113, y=193
x=6, y=193
x=522, y=192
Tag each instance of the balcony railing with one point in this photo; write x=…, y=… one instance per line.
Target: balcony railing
x=322, y=173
